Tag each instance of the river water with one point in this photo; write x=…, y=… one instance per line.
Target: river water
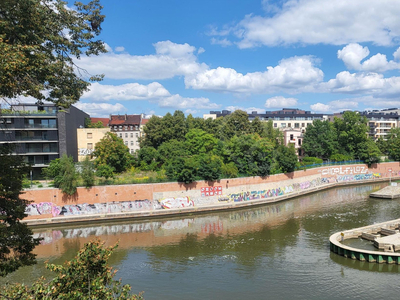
x=276, y=251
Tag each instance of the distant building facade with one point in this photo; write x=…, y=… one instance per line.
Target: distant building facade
x=87, y=140
x=127, y=127
x=41, y=132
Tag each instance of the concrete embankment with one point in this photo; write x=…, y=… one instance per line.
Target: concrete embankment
x=141, y=201
x=388, y=192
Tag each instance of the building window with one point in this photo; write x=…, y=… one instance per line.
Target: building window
x=131, y=134
x=299, y=142
x=132, y=151
x=275, y=125
x=303, y=125
x=89, y=146
x=120, y=135
x=89, y=135
x=289, y=125
x=131, y=127
x=131, y=143
x=296, y=125
x=137, y=134
x=291, y=137
x=283, y=125
x=126, y=143
x=126, y=135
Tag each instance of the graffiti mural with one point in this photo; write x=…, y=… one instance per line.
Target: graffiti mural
x=344, y=178
x=342, y=170
x=176, y=202
x=43, y=208
x=211, y=191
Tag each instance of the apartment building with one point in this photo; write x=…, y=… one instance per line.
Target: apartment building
x=87, y=140
x=41, y=132
x=127, y=127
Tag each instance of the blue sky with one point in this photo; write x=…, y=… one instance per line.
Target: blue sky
x=319, y=55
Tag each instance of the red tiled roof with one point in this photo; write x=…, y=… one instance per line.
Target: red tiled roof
x=124, y=120
x=144, y=121
x=102, y=120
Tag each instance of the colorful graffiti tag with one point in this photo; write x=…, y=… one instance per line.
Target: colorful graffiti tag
x=211, y=191
x=176, y=202
x=43, y=208
x=342, y=170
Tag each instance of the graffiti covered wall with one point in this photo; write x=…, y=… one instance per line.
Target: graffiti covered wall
x=130, y=198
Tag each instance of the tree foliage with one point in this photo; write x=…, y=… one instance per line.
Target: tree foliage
x=393, y=144
x=16, y=241
x=285, y=159
x=40, y=41
x=87, y=172
x=85, y=277
x=111, y=151
x=62, y=171
x=320, y=139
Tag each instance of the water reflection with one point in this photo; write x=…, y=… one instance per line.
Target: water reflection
x=248, y=252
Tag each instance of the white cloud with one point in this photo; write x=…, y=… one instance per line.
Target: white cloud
x=170, y=60
x=354, y=53
x=335, y=106
x=320, y=107
x=119, y=49
x=179, y=102
x=321, y=21
x=295, y=74
x=124, y=92
x=223, y=42
x=362, y=83
x=280, y=102
x=101, y=109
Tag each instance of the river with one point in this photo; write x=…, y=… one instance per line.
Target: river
x=276, y=251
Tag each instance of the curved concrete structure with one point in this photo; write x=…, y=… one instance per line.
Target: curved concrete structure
x=364, y=255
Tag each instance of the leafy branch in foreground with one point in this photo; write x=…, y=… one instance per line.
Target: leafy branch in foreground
x=87, y=276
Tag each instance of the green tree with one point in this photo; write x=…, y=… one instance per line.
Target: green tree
x=147, y=158
x=53, y=171
x=369, y=152
x=236, y=123
x=285, y=158
x=40, y=42
x=257, y=127
x=87, y=172
x=273, y=134
x=105, y=171
x=209, y=167
x=68, y=175
x=393, y=144
x=251, y=154
x=89, y=124
x=110, y=150
x=200, y=142
x=352, y=133
x=229, y=170
x=16, y=241
x=169, y=150
x=383, y=145
x=320, y=139
x=85, y=277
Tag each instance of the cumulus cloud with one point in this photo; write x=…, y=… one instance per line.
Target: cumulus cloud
x=129, y=91
x=101, y=109
x=296, y=73
x=119, y=49
x=223, y=42
x=280, y=102
x=170, y=60
x=324, y=21
x=366, y=83
x=179, y=102
x=354, y=53
x=335, y=106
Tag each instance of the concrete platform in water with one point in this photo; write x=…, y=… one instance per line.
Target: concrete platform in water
x=387, y=243
x=389, y=192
